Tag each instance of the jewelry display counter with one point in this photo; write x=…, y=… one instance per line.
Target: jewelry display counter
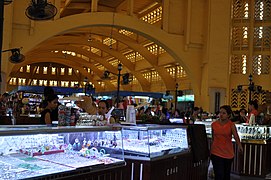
x=154, y=142
x=158, y=152
x=66, y=152
x=256, y=158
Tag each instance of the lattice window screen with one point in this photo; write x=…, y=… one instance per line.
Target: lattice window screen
x=240, y=9
x=258, y=34
x=262, y=98
x=262, y=38
x=238, y=64
x=266, y=39
x=265, y=64
x=242, y=28
x=262, y=10
x=257, y=64
x=240, y=99
x=234, y=98
x=239, y=38
x=154, y=16
x=261, y=64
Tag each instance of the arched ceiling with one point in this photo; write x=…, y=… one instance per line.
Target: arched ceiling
x=140, y=7
x=103, y=46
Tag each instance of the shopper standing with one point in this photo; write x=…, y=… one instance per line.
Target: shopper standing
x=195, y=115
x=50, y=104
x=243, y=115
x=222, y=152
x=253, y=112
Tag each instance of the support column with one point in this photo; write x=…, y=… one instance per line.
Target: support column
x=215, y=65
x=174, y=14
x=250, y=36
x=1, y=38
x=7, y=44
x=94, y=5
x=57, y=5
x=130, y=7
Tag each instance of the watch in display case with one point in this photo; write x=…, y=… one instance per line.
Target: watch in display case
x=253, y=132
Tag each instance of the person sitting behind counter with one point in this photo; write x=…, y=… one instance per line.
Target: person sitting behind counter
x=51, y=103
x=103, y=108
x=90, y=107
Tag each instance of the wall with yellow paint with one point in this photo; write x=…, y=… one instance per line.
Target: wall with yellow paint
x=195, y=34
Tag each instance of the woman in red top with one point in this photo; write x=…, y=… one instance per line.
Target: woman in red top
x=222, y=148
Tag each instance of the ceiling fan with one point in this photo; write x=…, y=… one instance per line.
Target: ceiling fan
x=40, y=10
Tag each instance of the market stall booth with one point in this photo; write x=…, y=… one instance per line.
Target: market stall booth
x=158, y=152
x=66, y=153
x=255, y=161
x=256, y=158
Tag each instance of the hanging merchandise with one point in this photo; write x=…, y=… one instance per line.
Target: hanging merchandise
x=64, y=115
x=61, y=115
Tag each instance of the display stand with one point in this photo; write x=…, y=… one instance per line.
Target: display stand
x=171, y=168
x=189, y=165
x=61, y=153
x=255, y=160
x=113, y=173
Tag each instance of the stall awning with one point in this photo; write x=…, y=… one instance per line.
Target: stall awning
x=58, y=90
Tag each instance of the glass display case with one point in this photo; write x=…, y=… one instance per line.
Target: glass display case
x=255, y=140
x=253, y=132
x=152, y=142
x=245, y=131
x=43, y=151
x=208, y=127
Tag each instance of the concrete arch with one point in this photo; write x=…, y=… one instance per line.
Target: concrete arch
x=75, y=61
x=86, y=63
x=17, y=67
x=133, y=44
x=145, y=84
x=67, y=61
x=46, y=52
x=173, y=44
x=91, y=55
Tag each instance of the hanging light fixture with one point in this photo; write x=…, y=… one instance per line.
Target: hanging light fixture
x=6, y=2
x=16, y=56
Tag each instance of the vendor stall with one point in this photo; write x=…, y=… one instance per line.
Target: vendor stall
x=158, y=152
x=256, y=142
x=66, y=153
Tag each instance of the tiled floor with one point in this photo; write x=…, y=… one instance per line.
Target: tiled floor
x=235, y=177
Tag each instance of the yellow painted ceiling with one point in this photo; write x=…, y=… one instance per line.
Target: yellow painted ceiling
x=103, y=48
